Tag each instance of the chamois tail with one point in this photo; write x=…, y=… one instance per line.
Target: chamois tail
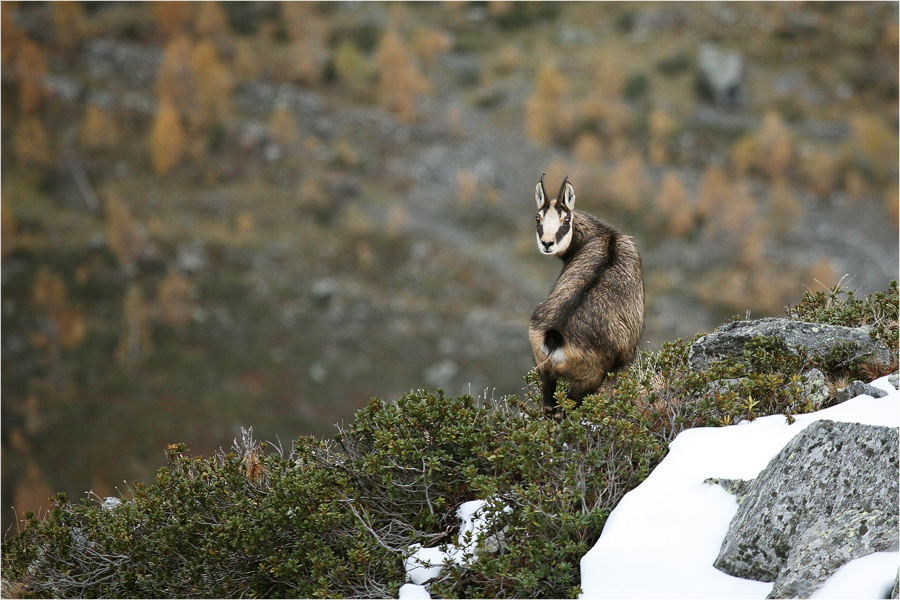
x=553, y=340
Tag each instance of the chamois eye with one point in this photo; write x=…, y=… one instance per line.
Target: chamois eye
x=568, y=219
x=538, y=219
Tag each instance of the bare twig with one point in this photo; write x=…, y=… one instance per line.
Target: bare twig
x=91, y=201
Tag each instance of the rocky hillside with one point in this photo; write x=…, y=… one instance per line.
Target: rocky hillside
x=361, y=514
x=218, y=215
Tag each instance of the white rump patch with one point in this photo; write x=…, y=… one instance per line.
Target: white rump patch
x=556, y=357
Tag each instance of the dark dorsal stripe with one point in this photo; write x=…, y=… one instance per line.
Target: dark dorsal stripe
x=568, y=309
x=612, y=250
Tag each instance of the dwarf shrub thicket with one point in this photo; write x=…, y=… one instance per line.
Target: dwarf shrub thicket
x=336, y=518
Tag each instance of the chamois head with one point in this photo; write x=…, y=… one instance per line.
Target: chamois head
x=554, y=218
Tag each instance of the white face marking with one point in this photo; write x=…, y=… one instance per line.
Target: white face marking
x=548, y=228
x=554, y=220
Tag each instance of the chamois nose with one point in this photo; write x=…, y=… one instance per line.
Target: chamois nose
x=547, y=244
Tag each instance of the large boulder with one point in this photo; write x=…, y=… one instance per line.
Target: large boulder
x=818, y=339
x=830, y=496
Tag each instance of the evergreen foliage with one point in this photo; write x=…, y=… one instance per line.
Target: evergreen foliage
x=840, y=306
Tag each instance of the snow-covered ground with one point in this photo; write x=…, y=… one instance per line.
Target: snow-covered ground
x=426, y=564
x=662, y=538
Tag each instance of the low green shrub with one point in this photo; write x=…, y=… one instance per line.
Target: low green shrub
x=840, y=306
x=336, y=519
x=550, y=491
x=242, y=524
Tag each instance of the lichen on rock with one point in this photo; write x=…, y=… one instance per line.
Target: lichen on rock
x=830, y=496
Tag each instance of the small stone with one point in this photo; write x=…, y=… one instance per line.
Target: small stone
x=317, y=373
x=325, y=289
x=192, y=257
x=721, y=73
x=816, y=386
x=110, y=503
x=857, y=388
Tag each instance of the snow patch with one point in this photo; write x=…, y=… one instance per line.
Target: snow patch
x=869, y=576
x=662, y=538
x=424, y=565
x=411, y=591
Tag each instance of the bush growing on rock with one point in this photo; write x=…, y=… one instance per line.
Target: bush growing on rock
x=839, y=306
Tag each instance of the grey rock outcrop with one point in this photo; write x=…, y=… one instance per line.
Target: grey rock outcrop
x=720, y=74
x=830, y=496
x=819, y=340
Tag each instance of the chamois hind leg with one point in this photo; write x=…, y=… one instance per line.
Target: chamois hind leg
x=548, y=391
x=579, y=390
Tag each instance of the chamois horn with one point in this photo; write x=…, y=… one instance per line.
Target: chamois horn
x=562, y=188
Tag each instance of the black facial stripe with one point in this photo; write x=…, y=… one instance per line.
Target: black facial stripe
x=564, y=226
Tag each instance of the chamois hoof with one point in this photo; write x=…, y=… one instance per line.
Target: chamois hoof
x=555, y=412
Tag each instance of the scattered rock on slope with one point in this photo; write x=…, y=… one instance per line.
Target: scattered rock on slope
x=818, y=339
x=830, y=496
x=720, y=74
x=858, y=388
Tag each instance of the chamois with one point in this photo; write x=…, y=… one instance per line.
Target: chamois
x=592, y=321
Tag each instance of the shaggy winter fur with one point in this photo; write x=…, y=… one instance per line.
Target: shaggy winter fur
x=592, y=321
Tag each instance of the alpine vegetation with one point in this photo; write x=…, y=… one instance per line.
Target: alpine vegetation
x=592, y=321
x=379, y=505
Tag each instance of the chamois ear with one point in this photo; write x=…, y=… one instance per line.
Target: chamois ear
x=539, y=194
x=568, y=195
